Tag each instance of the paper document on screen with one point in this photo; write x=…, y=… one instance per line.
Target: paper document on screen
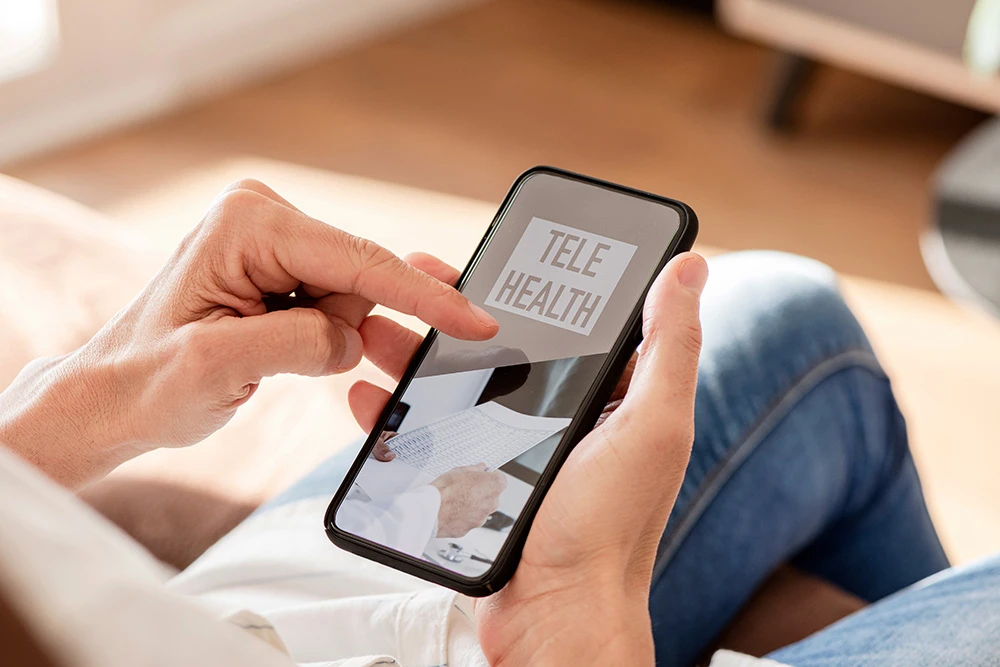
x=487, y=433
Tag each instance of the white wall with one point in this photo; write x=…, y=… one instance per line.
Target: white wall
x=119, y=61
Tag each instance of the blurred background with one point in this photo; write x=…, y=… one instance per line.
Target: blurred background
x=854, y=132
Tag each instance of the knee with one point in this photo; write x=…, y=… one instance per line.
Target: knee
x=778, y=303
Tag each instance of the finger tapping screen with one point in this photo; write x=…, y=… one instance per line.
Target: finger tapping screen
x=479, y=422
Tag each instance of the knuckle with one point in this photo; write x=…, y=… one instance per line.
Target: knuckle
x=691, y=337
x=323, y=341
x=232, y=211
x=251, y=184
x=431, y=290
x=370, y=260
x=198, y=350
x=238, y=204
x=499, y=481
x=313, y=332
x=239, y=201
x=685, y=333
x=416, y=257
x=371, y=255
x=401, y=337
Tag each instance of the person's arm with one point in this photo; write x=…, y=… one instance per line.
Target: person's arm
x=258, y=288
x=581, y=591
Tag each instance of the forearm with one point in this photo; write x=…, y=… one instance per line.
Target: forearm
x=59, y=416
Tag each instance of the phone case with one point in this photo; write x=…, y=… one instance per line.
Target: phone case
x=507, y=560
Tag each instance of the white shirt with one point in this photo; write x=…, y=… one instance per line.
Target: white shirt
x=273, y=593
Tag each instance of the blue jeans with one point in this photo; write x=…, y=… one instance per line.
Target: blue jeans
x=800, y=457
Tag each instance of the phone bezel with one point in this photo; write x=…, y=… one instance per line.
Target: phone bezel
x=583, y=422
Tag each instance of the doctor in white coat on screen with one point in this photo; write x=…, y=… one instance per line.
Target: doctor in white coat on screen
x=450, y=506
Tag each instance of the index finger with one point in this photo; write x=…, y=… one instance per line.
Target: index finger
x=318, y=254
x=382, y=277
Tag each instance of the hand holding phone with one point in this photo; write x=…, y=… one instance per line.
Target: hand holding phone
x=564, y=269
x=581, y=592
x=585, y=549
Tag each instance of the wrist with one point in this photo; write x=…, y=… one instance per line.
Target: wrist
x=586, y=645
x=596, y=628
x=66, y=416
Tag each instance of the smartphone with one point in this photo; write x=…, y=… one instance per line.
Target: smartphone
x=478, y=430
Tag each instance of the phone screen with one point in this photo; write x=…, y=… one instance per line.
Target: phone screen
x=478, y=423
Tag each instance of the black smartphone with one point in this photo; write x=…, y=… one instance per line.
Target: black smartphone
x=564, y=268
x=395, y=420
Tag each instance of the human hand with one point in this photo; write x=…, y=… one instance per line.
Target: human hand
x=581, y=591
x=391, y=346
x=256, y=289
x=381, y=451
x=621, y=389
x=469, y=495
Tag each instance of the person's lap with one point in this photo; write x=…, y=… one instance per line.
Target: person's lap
x=831, y=486
x=800, y=457
x=952, y=618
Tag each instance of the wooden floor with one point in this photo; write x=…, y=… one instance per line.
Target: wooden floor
x=629, y=92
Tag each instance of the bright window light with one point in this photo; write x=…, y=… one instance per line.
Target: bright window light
x=29, y=35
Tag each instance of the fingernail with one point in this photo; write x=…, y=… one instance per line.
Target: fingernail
x=693, y=274
x=484, y=318
x=353, y=349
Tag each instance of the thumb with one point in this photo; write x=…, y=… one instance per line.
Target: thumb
x=303, y=341
x=658, y=409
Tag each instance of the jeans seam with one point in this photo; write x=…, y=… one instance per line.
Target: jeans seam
x=727, y=466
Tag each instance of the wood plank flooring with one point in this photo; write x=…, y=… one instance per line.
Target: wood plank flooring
x=627, y=91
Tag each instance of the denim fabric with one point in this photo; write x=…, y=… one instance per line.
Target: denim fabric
x=800, y=456
x=951, y=619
